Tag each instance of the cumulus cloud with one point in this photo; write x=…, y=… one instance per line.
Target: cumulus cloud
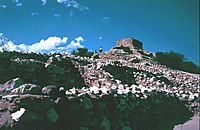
x=74, y=4
x=3, y=39
x=1, y=35
x=10, y=46
x=46, y=45
x=51, y=44
x=75, y=44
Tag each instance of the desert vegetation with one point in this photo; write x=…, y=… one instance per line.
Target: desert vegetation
x=177, y=61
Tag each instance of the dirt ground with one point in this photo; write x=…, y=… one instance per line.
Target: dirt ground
x=192, y=124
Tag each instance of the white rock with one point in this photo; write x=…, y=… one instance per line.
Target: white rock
x=119, y=91
x=104, y=90
x=121, y=87
x=127, y=90
x=16, y=115
x=118, y=81
x=73, y=90
x=61, y=88
x=134, y=86
x=94, y=89
x=47, y=64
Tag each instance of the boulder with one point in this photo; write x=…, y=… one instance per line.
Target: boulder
x=16, y=115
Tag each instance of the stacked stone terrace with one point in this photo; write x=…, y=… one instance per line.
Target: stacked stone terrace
x=184, y=85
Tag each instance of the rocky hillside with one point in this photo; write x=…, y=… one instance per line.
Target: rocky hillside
x=121, y=89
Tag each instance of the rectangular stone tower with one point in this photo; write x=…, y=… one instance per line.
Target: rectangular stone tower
x=130, y=42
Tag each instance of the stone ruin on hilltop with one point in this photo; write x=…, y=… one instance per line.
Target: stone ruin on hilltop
x=130, y=42
x=121, y=89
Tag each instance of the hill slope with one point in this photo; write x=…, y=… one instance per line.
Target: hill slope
x=124, y=88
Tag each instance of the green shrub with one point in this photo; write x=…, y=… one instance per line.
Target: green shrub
x=82, y=52
x=59, y=73
x=176, y=61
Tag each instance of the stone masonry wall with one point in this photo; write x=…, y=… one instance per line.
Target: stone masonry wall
x=130, y=42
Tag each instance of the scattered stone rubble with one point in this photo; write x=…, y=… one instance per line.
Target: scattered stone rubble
x=119, y=89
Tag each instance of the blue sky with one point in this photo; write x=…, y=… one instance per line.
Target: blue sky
x=63, y=25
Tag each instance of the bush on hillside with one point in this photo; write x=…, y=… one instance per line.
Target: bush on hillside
x=190, y=67
x=59, y=73
x=176, y=61
x=82, y=52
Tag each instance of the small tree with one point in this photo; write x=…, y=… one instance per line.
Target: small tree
x=176, y=61
x=82, y=52
x=191, y=67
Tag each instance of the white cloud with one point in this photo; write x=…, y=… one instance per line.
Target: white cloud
x=44, y=2
x=17, y=2
x=10, y=46
x=3, y=39
x=51, y=44
x=105, y=18
x=22, y=48
x=4, y=6
x=100, y=38
x=74, y=4
x=75, y=44
x=46, y=45
x=57, y=15
x=35, y=13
